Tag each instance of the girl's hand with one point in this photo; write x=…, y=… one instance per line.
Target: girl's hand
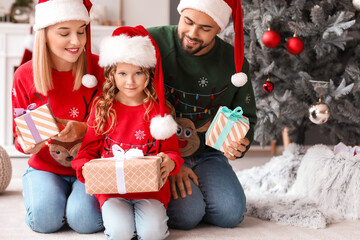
x=28, y=149
x=166, y=166
x=73, y=130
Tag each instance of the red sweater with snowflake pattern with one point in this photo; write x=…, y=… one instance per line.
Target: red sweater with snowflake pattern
x=131, y=131
x=64, y=102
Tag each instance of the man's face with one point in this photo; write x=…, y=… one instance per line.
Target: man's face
x=197, y=32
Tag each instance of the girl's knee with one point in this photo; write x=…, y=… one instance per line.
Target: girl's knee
x=153, y=232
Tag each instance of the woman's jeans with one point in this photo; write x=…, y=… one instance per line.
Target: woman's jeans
x=51, y=200
x=219, y=199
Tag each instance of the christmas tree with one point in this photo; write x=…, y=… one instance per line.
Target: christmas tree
x=309, y=53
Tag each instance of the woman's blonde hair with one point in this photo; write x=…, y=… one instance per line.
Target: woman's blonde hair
x=42, y=65
x=105, y=115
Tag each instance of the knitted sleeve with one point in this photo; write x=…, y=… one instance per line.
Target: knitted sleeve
x=246, y=99
x=90, y=148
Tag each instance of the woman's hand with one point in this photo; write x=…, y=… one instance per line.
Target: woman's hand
x=166, y=166
x=28, y=149
x=73, y=130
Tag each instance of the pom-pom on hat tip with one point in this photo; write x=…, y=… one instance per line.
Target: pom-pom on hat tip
x=89, y=81
x=239, y=79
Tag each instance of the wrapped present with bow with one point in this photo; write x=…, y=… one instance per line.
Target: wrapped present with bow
x=36, y=124
x=128, y=172
x=226, y=126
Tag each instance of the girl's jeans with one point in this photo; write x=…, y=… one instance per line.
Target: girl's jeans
x=51, y=200
x=219, y=199
x=124, y=219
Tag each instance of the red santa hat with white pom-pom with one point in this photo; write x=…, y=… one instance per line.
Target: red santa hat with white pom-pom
x=50, y=12
x=134, y=45
x=220, y=11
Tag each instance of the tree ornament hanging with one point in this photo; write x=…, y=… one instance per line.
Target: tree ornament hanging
x=356, y=4
x=271, y=39
x=294, y=45
x=319, y=113
x=268, y=86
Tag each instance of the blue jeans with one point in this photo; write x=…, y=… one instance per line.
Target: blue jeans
x=125, y=219
x=219, y=199
x=51, y=200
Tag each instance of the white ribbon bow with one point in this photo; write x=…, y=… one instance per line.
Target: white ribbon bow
x=120, y=156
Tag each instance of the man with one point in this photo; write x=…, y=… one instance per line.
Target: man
x=198, y=72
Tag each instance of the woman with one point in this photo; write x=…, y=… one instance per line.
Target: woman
x=52, y=194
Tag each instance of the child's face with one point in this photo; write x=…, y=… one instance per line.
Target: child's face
x=131, y=81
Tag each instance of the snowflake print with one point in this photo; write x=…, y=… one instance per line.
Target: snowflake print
x=14, y=92
x=203, y=82
x=139, y=135
x=248, y=99
x=74, y=112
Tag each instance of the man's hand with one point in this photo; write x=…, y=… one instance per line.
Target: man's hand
x=73, y=130
x=235, y=149
x=28, y=149
x=181, y=179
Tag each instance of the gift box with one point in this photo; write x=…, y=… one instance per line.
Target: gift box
x=226, y=126
x=114, y=175
x=36, y=124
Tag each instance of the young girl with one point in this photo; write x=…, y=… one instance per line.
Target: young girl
x=52, y=193
x=129, y=115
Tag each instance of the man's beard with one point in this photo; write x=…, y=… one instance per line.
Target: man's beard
x=192, y=50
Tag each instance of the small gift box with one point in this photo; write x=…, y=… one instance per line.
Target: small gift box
x=124, y=173
x=227, y=126
x=36, y=124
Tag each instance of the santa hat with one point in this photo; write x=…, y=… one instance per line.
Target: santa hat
x=50, y=12
x=220, y=11
x=134, y=45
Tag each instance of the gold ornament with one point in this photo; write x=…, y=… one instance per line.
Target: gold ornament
x=319, y=113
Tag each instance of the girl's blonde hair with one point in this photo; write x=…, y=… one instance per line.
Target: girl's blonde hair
x=42, y=65
x=105, y=115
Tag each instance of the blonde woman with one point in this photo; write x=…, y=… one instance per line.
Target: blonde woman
x=53, y=196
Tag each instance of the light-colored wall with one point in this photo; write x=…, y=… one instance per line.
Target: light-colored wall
x=134, y=12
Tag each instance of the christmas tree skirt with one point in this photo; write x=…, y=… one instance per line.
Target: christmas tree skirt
x=307, y=188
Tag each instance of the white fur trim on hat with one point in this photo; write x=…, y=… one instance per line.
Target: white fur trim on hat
x=239, y=79
x=218, y=10
x=55, y=11
x=89, y=81
x=162, y=128
x=137, y=50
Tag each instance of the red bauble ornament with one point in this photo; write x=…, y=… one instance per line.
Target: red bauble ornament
x=295, y=45
x=268, y=86
x=271, y=39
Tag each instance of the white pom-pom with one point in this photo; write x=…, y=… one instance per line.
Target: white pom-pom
x=239, y=79
x=356, y=4
x=162, y=128
x=89, y=81
x=29, y=43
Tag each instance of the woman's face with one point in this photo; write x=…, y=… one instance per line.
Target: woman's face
x=66, y=42
x=131, y=81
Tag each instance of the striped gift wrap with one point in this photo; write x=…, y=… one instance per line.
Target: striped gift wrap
x=227, y=126
x=37, y=125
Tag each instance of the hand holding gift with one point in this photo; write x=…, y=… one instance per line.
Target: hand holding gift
x=34, y=126
x=128, y=172
x=166, y=166
x=227, y=132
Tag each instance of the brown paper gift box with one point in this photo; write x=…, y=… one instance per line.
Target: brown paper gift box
x=140, y=174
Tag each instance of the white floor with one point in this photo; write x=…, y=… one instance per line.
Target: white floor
x=13, y=227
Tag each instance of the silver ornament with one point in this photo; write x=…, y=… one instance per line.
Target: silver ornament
x=319, y=113
x=356, y=4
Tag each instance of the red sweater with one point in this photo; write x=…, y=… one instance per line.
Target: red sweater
x=64, y=102
x=131, y=131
